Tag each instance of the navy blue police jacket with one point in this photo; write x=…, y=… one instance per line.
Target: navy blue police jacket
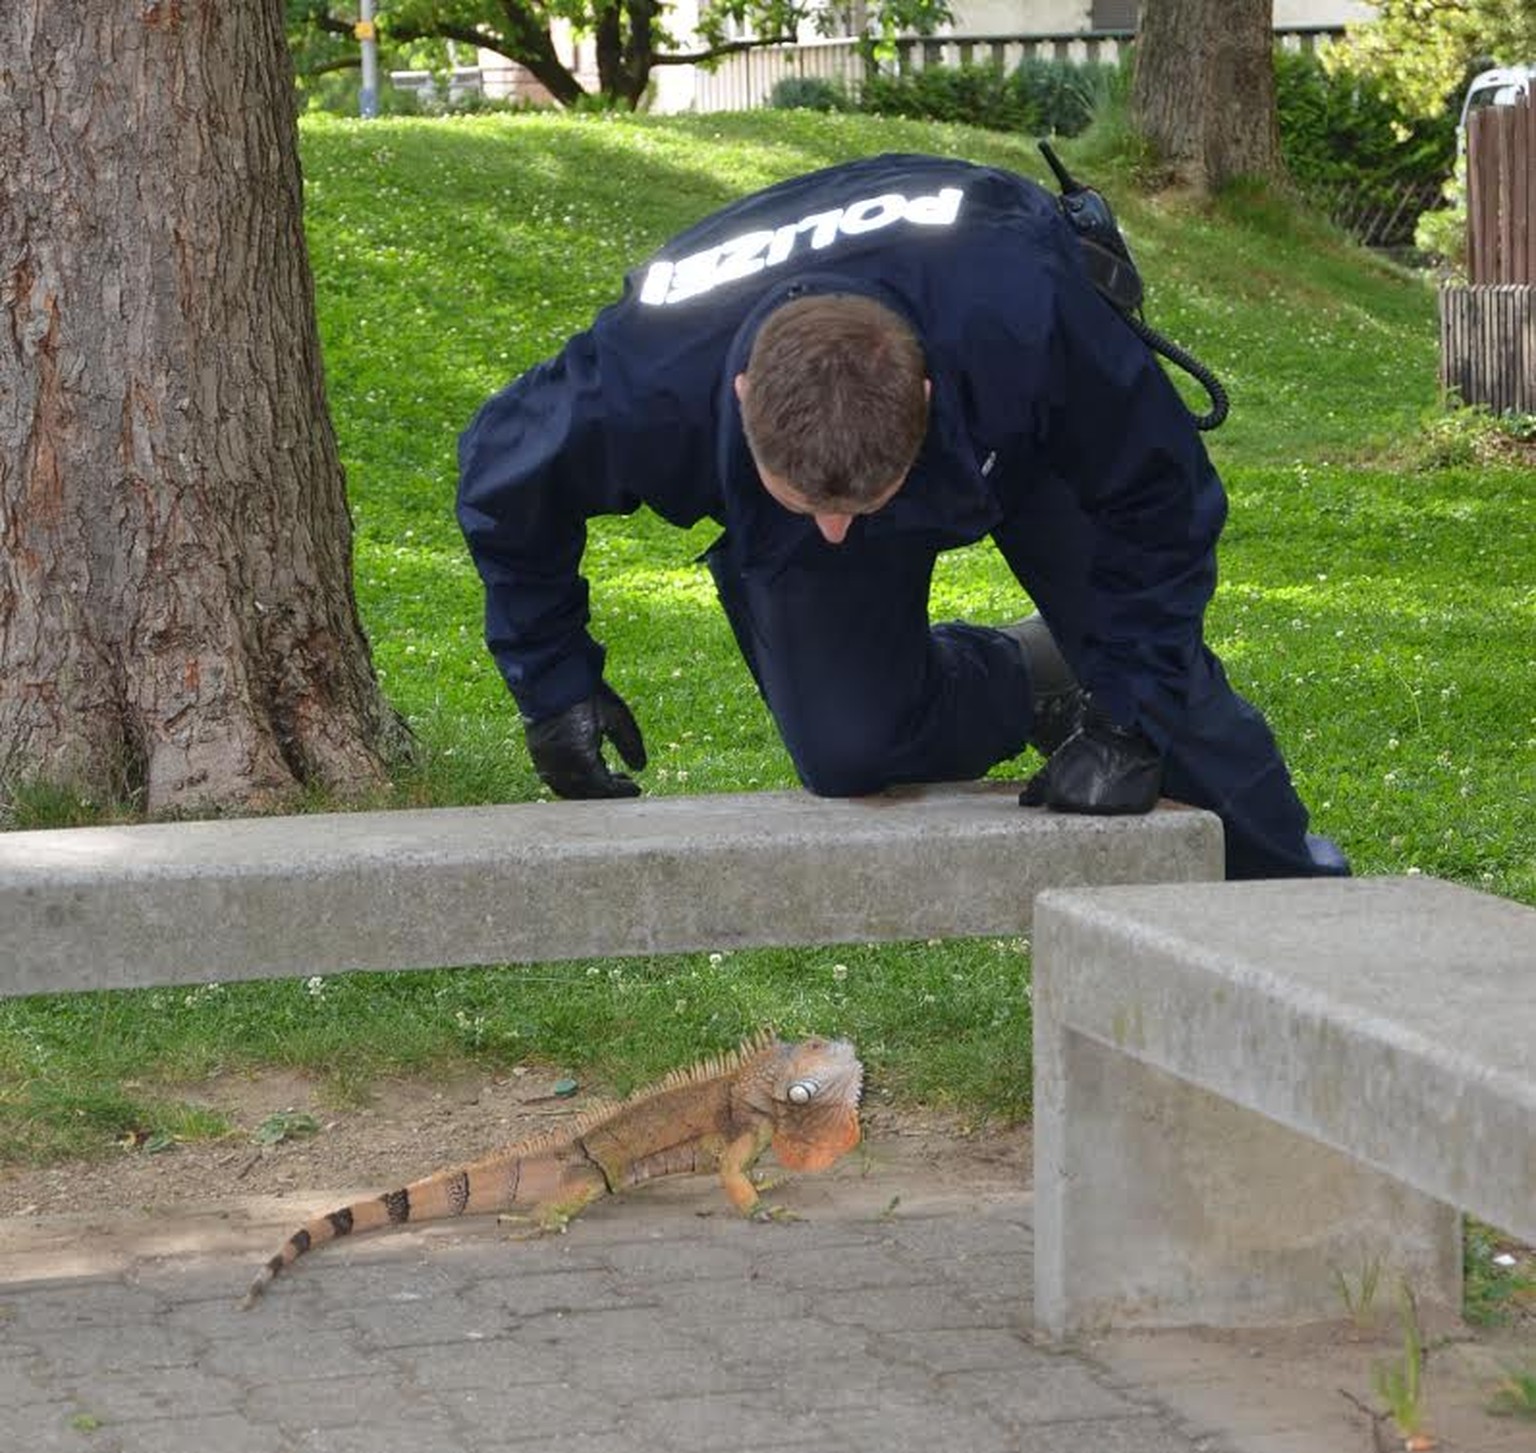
x=1033, y=377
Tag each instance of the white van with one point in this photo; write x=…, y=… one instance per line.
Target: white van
x=1502, y=86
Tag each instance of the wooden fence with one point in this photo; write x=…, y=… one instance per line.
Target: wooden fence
x=1382, y=218
x=1488, y=328
x=1501, y=194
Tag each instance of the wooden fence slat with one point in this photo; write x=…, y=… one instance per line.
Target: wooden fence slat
x=1522, y=201
x=1507, y=116
x=1488, y=345
x=1478, y=192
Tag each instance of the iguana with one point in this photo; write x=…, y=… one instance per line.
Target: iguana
x=801, y=1098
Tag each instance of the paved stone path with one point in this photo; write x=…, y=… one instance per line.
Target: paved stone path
x=649, y=1326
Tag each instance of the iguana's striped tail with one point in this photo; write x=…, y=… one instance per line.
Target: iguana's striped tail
x=551, y=1172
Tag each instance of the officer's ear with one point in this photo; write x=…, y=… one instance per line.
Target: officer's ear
x=739, y=383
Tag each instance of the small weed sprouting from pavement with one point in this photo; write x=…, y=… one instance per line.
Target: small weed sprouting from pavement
x=1359, y=1293
x=1399, y=1383
x=1516, y=1393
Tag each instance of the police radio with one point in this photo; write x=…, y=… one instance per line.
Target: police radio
x=1113, y=272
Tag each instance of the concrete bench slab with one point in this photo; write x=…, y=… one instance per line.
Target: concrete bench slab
x=1244, y=1091
x=114, y=907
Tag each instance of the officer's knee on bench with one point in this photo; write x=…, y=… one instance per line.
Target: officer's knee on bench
x=829, y=775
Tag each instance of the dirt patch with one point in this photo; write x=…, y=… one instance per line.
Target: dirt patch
x=407, y=1128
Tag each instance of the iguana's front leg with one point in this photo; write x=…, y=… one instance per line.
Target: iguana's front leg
x=736, y=1162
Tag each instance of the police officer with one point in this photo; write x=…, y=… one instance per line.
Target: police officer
x=852, y=371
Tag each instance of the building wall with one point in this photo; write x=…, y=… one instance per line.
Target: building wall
x=1005, y=17
x=1322, y=12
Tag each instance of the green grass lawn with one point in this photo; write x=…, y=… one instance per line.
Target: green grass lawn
x=1377, y=599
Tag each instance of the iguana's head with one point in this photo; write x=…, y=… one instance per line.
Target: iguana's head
x=811, y=1089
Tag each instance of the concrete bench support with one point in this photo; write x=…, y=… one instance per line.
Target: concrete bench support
x=116, y=907
x=1245, y=1090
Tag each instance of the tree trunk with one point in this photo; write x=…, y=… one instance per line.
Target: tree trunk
x=176, y=611
x=1204, y=89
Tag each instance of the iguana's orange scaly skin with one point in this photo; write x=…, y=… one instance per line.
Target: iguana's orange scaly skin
x=801, y=1098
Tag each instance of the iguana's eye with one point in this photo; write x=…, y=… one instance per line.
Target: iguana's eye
x=802, y=1092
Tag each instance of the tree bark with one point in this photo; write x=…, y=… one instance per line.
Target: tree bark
x=1204, y=89
x=177, y=619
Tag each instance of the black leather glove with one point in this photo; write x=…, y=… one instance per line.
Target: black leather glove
x=567, y=749
x=1102, y=768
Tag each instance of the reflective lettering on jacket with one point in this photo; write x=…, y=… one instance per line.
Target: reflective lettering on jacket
x=753, y=252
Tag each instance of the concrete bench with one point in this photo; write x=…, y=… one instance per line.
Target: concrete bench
x=119, y=907
x=1244, y=1091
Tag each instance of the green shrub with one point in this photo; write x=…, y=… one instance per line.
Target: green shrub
x=968, y=95
x=1038, y=96
x=1338, y=128
x=809, y=93
x=1354, y=152
x=339, y=93
x=1068, y=96
x=473, y=103
x=1441, y=233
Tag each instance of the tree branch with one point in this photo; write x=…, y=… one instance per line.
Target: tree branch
x=464, y=34
x=725, y=48
x=331, y=25
x=324, y=68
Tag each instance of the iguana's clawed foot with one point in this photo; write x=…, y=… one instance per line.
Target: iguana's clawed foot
x=542, y=1223
x=765, y=1214
x=527, y=1229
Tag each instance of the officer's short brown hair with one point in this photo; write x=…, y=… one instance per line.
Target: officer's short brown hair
x=835, y=401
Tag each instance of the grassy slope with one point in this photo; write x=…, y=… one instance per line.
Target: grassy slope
x=1375, y=612
x=1381, y=614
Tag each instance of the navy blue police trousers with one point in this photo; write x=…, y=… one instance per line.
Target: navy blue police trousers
x=866, y=693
